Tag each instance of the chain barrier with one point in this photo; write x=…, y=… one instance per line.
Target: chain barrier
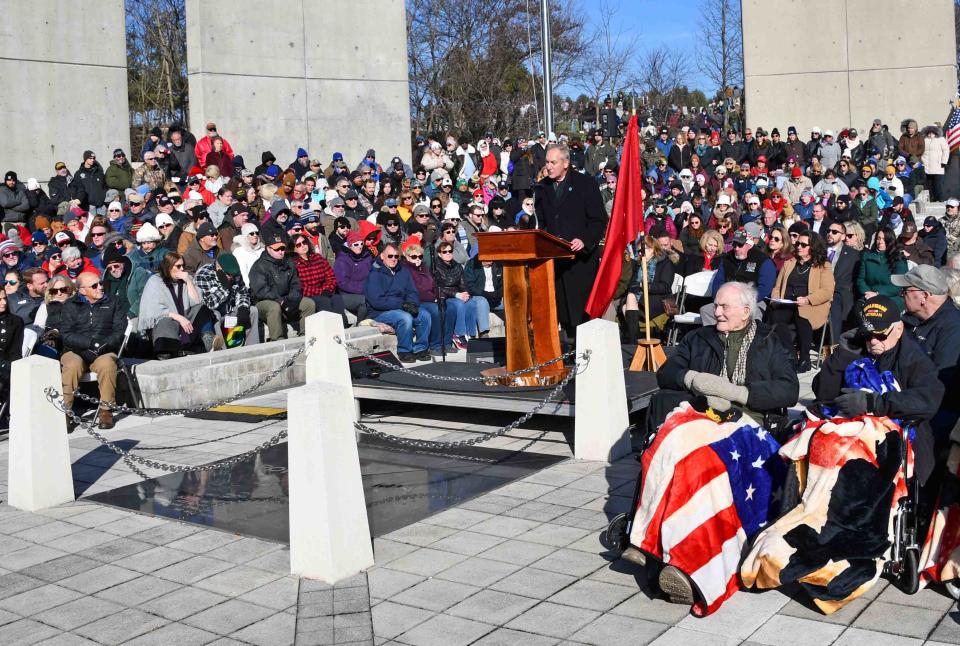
x=170, y=412
x=55, y=398
x=486, y=437
x=394, y=367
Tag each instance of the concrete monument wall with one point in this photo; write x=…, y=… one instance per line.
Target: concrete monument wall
x=304, y=73
x=64, y=71
x=840, y=63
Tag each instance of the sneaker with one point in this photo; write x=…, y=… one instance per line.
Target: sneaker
x=423, y=355
x=676, y=585
x=406, y=357
x=460, y=342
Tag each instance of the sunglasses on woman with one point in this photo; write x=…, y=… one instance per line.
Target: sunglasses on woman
x=776, y=239
x=803, y=245
x=850, y=236
x=56, y=291
x=415, y=256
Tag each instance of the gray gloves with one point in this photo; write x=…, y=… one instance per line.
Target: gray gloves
x=688, y=377
x=719, y=404
x=717, y=386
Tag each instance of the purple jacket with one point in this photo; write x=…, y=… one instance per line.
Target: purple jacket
x=352, y=271
x=423, y=281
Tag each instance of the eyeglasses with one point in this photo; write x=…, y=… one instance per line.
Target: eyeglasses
x=445, y=252
x=414, y=256
x=392, y=224
x=392, y=256
x=279, y=248
x=100, y=234
x=114, y=210
x=162, y=226
x=11, y=254
x=11, y=281
x=803, y=245
x=907, y=290
x=300, y=244
x=254, y=233
x=836, y=232
x=56, y=291
x=39, y=244
x=178, y=265
x=338, y=206
x=737, y=245
x=95, y=285
x=436, y=206
x=850, y=236
x=775, y=239
x=357, y=244
x=296, y=229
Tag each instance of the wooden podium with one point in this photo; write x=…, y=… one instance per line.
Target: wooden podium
x=530, y=303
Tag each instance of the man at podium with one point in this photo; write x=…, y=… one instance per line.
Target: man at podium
x=569, y=206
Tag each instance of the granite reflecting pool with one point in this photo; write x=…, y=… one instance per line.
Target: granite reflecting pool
x=401, y=486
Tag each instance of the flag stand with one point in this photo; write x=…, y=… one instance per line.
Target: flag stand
x=649, y=355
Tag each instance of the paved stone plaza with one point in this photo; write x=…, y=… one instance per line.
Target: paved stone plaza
x=520, y=565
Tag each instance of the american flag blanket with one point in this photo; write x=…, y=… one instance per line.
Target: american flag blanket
x=940, y=558
x=706, y=489
x=835, y=541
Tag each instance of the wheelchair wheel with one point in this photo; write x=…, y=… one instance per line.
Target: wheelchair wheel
x=616, y=534
x=908, y=580
x=953, y=589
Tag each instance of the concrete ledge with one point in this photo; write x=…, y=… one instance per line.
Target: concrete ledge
x=190, y=381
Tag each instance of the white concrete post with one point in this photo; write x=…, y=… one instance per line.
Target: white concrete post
x=329, y=530
x=327, y=360
x=601, y=417
x=39, y=461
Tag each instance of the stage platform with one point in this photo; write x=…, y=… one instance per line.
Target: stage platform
x=402, y=387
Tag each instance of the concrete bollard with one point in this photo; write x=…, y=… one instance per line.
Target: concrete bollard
x=601, y=416
x=39, y=470
x=329, y=530
x=327, y=360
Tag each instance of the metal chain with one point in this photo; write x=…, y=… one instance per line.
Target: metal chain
x=523, y=419
x=394, y=367
x=169, y=412
x=129, y=458
x=201, y=442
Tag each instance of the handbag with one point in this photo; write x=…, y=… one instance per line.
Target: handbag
x=364, y=368
x=670, y=307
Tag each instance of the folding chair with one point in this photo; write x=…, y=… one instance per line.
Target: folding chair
x=89, y=377
x=823, y=339
x=697, y=285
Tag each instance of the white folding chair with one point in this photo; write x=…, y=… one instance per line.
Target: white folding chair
x=697, y=285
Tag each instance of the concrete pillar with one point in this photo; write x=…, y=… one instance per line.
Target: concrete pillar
x=64, y=70
x=329, y=530
x=601, y=416
x=39, y=461
x=836, y=73
x=327, y=360
x=318, y=74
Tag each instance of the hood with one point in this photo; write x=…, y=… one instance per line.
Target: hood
x=366, y=228
x=125, y=164
x=267, y=157
x=470, y=150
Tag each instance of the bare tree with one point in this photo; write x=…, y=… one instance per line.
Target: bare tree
x=720, y=55
x=156, y=65
x=473, y=63
x=605, y=65
x=663, y=75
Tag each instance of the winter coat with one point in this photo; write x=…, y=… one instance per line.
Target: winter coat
x=152, y=177
x=936, y=155
x=911, y=145
x=59, y=188
x=936, y=239
x=224, y=162
x=820, y=288
x=388, y=289
x=185, y=156
x=89, y=326
x=274, y=280
x=90, y=183
x=771, y=380
x=874, y=276
x=450, y=279
x=918, y=398
x=158, y=302
x=11, y=343
x=829, y=154
x=149, y=261
x=119, y=176
x=596, y=155
x=432, y=161
x=352, y=270
x=422, y=280
x=14, y=204
x=195, y=257
x=476, y=280
x=679, y=157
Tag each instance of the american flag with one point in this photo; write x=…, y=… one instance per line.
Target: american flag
x=707, y=489
x=953, y=129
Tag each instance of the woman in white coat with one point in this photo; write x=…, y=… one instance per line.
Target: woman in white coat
x=936, y=156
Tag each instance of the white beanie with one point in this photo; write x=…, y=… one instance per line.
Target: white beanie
x=148, y=233
x=162, y=219
x=452, y=211
x=115, y=205
x=32, y=184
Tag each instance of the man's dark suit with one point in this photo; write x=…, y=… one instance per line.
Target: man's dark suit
x=845, y=271
x=576, y=212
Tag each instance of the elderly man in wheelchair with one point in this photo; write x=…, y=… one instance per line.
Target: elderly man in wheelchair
x=859, y=463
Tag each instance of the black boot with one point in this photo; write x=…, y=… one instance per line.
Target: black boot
x=632, y=318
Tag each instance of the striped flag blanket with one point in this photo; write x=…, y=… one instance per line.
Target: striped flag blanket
x=835, y=541
x=706, y=489
x=940, y=558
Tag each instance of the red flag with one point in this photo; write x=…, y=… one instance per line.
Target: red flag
x=626, y=221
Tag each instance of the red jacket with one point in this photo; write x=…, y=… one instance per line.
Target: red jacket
x=205, y=146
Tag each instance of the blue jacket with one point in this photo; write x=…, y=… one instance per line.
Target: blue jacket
x=664, y=146
x=388, y=289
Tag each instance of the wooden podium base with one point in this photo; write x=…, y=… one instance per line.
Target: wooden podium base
x=649, y=356
x=499, y=377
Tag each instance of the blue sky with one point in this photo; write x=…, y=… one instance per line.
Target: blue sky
x=671, y=23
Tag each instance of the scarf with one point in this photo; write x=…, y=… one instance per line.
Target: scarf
x=739, y=376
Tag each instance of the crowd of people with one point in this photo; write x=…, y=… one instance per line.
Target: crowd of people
x=202, y=252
